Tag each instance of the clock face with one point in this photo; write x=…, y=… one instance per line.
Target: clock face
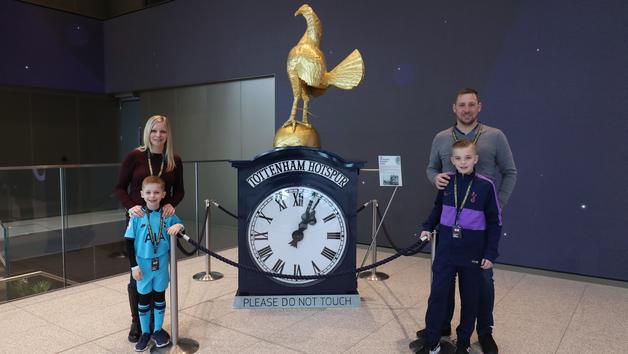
x=298, y=231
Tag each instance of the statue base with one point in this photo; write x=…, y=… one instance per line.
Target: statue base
x=299, y=134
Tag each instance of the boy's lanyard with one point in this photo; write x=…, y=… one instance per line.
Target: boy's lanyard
x=459, y=210
x=150, y=165
x=150, y=231
x=477, y=135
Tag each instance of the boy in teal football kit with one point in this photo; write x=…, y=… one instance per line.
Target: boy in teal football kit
x=148, y=244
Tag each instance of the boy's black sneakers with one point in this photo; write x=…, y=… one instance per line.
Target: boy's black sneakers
x=143, y=342
x=488, y=344
x=433, y=350
x=462, y=349
x=444, y=333
x=421, y=336
x=161, y=338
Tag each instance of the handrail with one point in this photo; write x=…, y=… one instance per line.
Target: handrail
x=30, y=167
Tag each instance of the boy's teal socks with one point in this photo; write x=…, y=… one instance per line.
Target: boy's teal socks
x=144, y=312
x=160, y=311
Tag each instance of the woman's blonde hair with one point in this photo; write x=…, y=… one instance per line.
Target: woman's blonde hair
x=168, y=149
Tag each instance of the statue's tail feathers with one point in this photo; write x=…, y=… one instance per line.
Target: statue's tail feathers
x=349, y=73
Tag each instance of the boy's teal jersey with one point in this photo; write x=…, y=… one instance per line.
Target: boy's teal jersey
x=138, y=230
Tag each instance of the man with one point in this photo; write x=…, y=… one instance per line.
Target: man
x=496, y=162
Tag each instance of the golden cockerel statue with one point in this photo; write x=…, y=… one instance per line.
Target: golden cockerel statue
x=307, y=70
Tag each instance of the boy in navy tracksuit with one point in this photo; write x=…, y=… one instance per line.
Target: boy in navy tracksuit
x=470, y=225
x=148, y=244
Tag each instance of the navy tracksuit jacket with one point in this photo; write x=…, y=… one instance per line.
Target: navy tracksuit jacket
x=480, y=220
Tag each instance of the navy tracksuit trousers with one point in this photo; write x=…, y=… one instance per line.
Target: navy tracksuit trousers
x=485, y=321
x=470, y=282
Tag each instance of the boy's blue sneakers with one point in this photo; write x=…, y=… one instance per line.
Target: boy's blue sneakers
x=161, y=338
x=143, y=343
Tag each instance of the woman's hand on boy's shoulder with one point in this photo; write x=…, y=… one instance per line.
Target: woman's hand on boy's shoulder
x=175, y=229
x=167, y=210
x=136, y=212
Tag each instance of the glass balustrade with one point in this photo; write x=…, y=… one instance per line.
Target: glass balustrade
x=62, y=225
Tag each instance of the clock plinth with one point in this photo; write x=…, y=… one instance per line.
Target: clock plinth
x=297, y=210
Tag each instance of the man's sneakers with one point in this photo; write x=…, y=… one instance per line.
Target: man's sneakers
x=134, y=332
x=488, y=344
x=143, y=343
x=419, y=343
x=162, y=338
x=463, y=349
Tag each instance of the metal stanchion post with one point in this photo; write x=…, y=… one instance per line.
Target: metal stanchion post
x=179, y=345
x=373, y=274
x=207, y=275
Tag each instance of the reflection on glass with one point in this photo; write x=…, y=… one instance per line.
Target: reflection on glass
x=39, y=252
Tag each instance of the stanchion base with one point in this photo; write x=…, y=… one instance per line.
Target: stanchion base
x=202, y=276
x=184, y=346
x=377, y=276
x=446, y=347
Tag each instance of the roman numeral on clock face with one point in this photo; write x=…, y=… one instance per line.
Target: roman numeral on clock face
x=329, y=217
x=298, y=198
x=297, y=269
x=260, y=236
x=329, y=254
x=317, y=270
x=280, y=202
x=278, y=267
x=265, y=253
x=333, y=235
x=261, y=215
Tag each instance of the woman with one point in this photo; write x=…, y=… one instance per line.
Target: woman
x=155, y=157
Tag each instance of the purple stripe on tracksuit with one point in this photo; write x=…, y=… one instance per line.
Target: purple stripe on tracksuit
x=469, y=219
x=499, y=208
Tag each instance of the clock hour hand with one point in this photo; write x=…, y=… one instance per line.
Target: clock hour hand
x=297, y=235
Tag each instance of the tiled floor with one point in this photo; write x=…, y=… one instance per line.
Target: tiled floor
x=533, y=314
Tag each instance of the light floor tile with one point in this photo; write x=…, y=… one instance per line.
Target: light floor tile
x=533, y=314
x=269, y=348
x=598, y=322
x=265, y=322
x=88, y=348
x=332, y=330
x=392, y=337
x=42, y=339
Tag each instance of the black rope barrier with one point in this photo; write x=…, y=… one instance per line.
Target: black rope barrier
x=379, y=214
x=408, y=251
x=224, y=210
x=200, y=239
x=362, y=207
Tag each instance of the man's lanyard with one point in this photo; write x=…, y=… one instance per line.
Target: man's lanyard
x=459, y=210
x=154, y=241
x=150, y=165
x=477, y=135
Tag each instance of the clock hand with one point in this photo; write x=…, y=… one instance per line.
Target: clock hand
x=297, y=235
x=308, y=217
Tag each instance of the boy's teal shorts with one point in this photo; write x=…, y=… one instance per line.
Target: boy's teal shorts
x=157, y=280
